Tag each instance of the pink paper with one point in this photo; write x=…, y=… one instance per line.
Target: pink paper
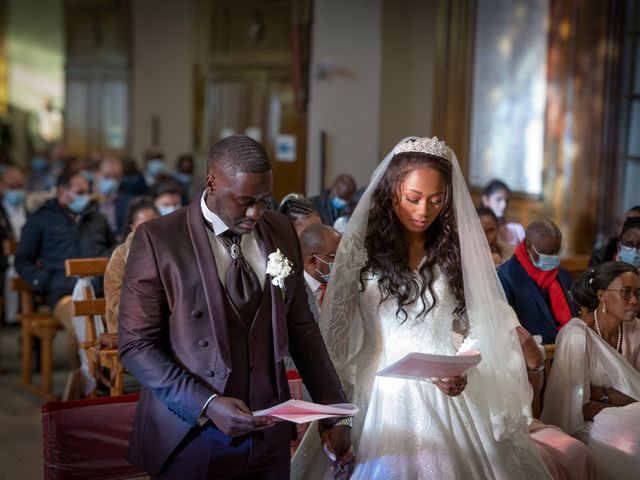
x=424, y=366
x=299, y=411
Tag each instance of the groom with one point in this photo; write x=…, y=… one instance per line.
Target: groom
x=205, y=331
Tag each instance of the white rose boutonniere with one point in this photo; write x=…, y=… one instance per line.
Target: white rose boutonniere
x=279, y=267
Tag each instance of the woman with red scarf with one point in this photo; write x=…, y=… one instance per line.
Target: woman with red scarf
x=535, y=285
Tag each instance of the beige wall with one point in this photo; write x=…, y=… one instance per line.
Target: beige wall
x=346, y=37
x=408, y=60
x=162, y=75
x=378, y=88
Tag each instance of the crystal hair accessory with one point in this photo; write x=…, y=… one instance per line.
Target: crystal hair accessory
x=430, y=146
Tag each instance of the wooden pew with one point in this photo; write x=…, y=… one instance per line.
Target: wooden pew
x=575, y=264
x=98, y=355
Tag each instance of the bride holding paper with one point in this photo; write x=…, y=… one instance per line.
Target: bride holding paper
x=413, y=275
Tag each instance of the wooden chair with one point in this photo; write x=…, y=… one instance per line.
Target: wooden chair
x=550, y=350
x=575, y=264
x=34, y=324
x=99, y=356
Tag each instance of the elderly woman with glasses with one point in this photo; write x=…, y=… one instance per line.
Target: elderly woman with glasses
x=594, y=386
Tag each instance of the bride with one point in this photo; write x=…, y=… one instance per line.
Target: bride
x=413, y=274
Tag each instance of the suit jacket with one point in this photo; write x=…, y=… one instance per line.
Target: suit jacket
x=530, y=302
x=174, y=332
x=322, y=204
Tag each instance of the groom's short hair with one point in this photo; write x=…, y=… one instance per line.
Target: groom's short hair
x=238, y=153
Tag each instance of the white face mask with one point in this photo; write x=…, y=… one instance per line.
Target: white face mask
x=325, y=276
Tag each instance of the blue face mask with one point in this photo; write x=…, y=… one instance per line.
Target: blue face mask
x=167, y=209
x=545, y=262
x=325, y=276
x=39, y=164
x=79, y=203
x=108, y=186
x=15, y=197
x=338, y=203
x=630, y=255
x=156, y=167
x=183, y=178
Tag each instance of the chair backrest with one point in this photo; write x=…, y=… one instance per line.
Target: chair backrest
x=85, y=267
x=88, y=438
x=575, y=264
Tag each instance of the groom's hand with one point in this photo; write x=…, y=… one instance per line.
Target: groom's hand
x=336, y=442
x=233, y=418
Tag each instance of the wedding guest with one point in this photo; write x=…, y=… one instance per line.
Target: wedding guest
x=500, y=251
x=318, y=244
x=68, y=226
x=629, y=244
x=609, y=251
x=496, y=196
x=167, y=196
x=13, y=216
x=39, y=178
x=410, y=271
x=183, y=174
x=133, y=182
x=113, y=201
x=205, y=329
x=139, y=210
x=335, y=202
x=155, y=167
x=534, y=283
x=594, y=387
x=300, y=211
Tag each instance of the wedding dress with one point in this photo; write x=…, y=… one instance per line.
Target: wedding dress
x=409, y=429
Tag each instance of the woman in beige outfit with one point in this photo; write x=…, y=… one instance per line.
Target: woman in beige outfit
x=139, y=210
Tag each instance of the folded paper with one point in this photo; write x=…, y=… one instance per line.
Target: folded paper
x=424, y=366
x=299, y=411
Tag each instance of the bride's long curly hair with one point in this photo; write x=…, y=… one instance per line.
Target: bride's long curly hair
x=388, y=248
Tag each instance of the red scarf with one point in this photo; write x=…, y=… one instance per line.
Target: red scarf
x=548, y=281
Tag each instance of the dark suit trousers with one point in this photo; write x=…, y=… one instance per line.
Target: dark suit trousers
x=261, y=455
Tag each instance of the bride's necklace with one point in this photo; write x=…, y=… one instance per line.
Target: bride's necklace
x=619, y=343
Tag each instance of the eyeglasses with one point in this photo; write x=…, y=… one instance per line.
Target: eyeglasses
x=626, y=293
x=631, y=245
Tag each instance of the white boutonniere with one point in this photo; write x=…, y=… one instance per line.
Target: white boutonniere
x=279, y=267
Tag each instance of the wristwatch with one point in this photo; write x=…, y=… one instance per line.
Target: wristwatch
x=605, y=396
x=344, y=422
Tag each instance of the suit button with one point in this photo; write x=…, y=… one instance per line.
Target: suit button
x=203, y=343
x=209, y=373
x=196, y=314
x=222, y=375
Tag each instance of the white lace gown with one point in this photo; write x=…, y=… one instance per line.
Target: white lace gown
x=409, y=429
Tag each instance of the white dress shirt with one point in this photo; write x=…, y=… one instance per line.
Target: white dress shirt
x=17, y=217
x=314, y=286
x=248, y=246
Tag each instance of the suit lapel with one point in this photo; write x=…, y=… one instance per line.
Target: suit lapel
x=278, y=320
x=208, y=272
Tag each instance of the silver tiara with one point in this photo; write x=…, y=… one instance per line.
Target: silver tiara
x=431, y=146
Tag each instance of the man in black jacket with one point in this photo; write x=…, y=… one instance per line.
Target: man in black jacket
x=336, y=201
x=68, y=226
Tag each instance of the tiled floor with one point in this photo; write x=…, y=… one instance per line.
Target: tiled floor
x=20, y=417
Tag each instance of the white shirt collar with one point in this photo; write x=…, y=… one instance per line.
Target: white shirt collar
x=313, y=284
x=216, y=222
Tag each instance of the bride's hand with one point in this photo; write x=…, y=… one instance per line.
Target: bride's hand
x=336, y=443
x=453, y=386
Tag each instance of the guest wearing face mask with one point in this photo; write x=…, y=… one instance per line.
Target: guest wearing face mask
x=335, y=202
x=68, y=226
x=155, y=167
x=535, y=285
x=167, y=197
x=113, y=201
x=610, y=250
x=183, y=174
x=629, y=243
x=318, y=244
x=13, y=216
x=39, y=178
